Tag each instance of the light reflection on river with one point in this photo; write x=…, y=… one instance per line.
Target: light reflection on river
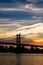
x=21, y=59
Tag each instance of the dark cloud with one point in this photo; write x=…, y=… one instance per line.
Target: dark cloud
x=39, y=3
x=18, y=15
x=23, y=14
x=8, y=5
x=6, y=0
x=13, y=1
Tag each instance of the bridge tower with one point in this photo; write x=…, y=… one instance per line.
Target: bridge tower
x=18, y=40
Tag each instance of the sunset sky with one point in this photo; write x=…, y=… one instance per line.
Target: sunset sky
x=22, y=16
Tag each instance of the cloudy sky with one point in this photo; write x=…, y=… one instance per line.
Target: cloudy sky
x=22, y=16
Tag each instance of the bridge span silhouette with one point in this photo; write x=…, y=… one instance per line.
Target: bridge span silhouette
x=20, y=48
x=31, y=45
x=18, y=43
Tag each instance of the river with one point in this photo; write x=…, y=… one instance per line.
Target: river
x=21, y=59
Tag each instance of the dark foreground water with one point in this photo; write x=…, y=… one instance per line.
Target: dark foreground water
x=21, y=59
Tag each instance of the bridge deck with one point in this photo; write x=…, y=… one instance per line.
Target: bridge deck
x=21, y=44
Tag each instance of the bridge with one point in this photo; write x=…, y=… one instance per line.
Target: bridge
x=18, y=43
x=21, y=44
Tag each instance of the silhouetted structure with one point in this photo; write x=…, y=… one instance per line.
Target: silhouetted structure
x=20, y=48
x=18, y=40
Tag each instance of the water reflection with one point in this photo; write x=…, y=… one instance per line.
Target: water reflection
x=18, y=59
x=21, y=59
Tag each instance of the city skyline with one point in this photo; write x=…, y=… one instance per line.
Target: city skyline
x=22, y=16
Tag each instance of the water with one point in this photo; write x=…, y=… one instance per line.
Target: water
x=21, y=59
